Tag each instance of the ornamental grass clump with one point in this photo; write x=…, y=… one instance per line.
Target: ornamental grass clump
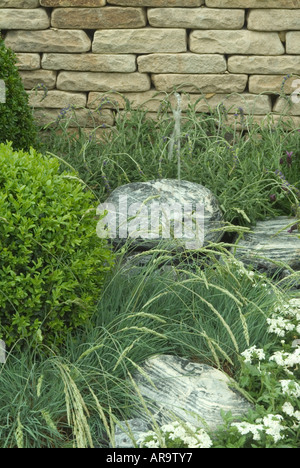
x=52, y=263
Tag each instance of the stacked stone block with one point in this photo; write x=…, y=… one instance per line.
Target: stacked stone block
x=143, y=49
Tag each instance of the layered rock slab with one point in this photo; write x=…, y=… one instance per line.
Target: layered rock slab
x=176, y=388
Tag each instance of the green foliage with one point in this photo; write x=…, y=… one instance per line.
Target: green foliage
x=52, y=262
x=16, y=119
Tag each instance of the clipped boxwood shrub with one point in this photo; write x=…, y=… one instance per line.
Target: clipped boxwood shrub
x=16, y=118
x=52, y=264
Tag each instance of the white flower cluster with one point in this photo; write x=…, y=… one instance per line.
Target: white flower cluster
x=190, y=435
x=253, y=353
x=270, y=425
x=286, y=359
x=286, y=318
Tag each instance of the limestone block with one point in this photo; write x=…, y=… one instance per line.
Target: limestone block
x=270, y=84
x=125, y=63
x=181, y=63
x=293, y=42
x=73, y=3
x=153, y=100
x=28, y=61
x=79, y=117
x=198, y=18
x=143, y=41
x=19, y=3
x=89, y=81
x=158, y=3
x=274, y=20
x=33, y=78
x=253, y=3
x=29, y=19
x=276, y=65
x=236, y=42
x=50, y=40
x=283, y=107
x=57, y=99
x=227, y=83
x=96, y=18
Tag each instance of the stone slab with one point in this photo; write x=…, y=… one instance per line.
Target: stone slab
x=125, y=63
x=181, y=63
x=79, y=117
x=28, y=61
x=179, y=389
x=51, y=40
x=270, y=242
x=283, y=107
x=98, y=18
x=273, y=20
x=73, y=3
x=158, y=3
x=19, y=3
x=33, y=78
x=274, y=65
x=271, y=84
x=236, y=42
x=293, y=42
x=57, y=99
x=210, y=83
x=92, y=81
x=198, y=18
x=153, y=100
x=141, y=41
x=29, y=19
x=253, y=3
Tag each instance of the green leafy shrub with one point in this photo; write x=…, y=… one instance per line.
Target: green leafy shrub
x=52, y=264
x=16, y=119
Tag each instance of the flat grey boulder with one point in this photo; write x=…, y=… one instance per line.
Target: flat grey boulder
x=174, y=388
x=179, y=214
x=270, y=243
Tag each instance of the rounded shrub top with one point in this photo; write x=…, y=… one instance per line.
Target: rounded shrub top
x=16, y=118
x=52, y=264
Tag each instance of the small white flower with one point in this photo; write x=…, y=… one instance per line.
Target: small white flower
x=288, y=408
x=290, y=388
x=252, y=353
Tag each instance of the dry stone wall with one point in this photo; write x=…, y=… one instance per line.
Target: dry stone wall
x=242, y=53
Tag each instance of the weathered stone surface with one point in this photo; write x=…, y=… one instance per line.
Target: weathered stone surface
x=181, y=214
x=266, y=245
x=90, y=81
x=285, y=64
x=82, y=117
x=50, y=40
x=143, y=41
x=236, y=42
x=57, y=99
x=153, y=100
x=29, y=19
x=28, y=61
x=125, y=63
x=293, y=42
x=227, y=83
x=19, y=3
x=253, y=3
x=270, y=84
x=200, y=18
x=282, y=106
x=274, y=20
x=73, y=3
x=184, y=390
x=182, y=63
x=158, y=3
x=33, y=78
x=96, y=18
